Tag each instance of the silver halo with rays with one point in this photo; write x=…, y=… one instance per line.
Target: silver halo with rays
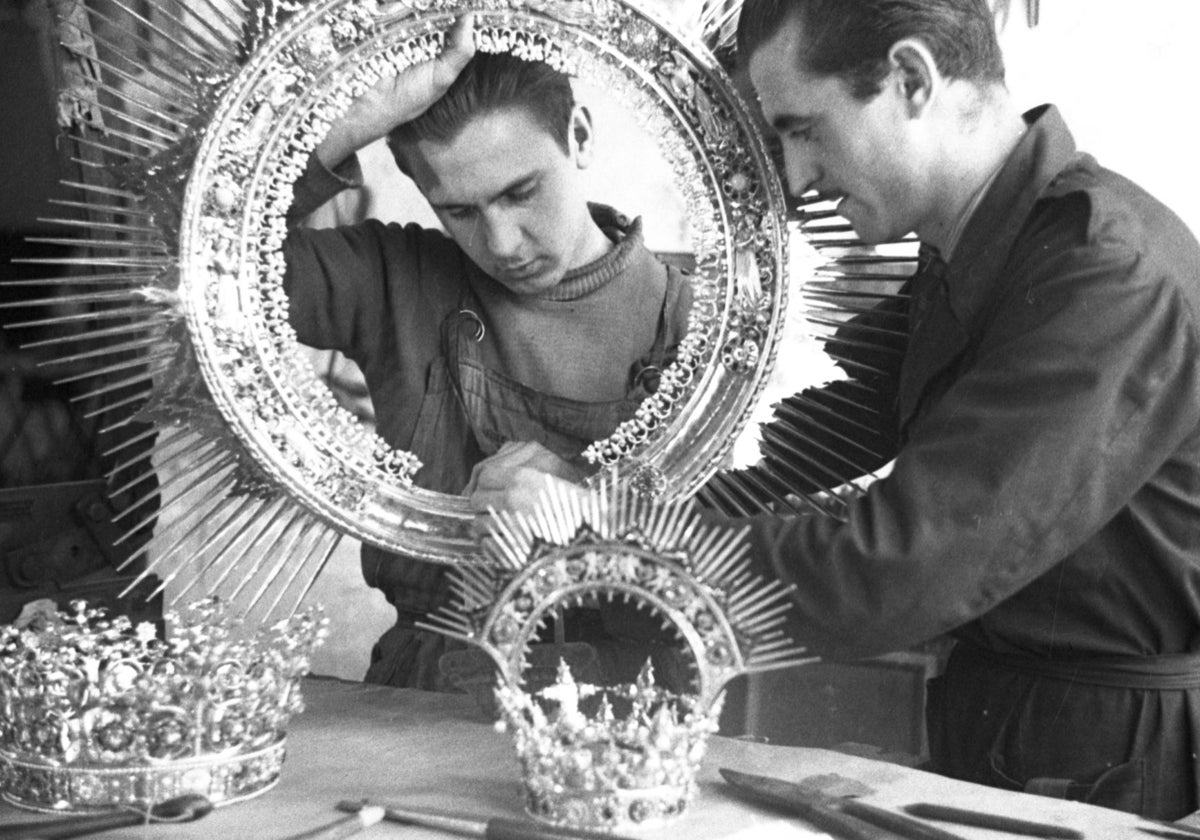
x=145, y=87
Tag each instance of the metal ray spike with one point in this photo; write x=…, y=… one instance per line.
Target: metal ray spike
x=165, y=12
x=97, y=207
x=752, y=600
x=827, y=302
x=153, y=145
x=152, y=455
x=173, y=57
x=779, y=436
x=96, y=335
x=122, y=313
x=150, y=361
x=211, y=513
x=718, y=488
x=181, y=484
x=104, y=148
x=255, y=516
x=774, y=445
x=334, y=538
x=134, y=440
x=115, y=262
x=301, y=527
x=225, y=43
x=294, y=516
x=166, y=460
x=867, y=330
x=757, y=487
x=176, y=80
x=181, y=91
x=131, y=121
x=848, y=362
x=89, y=243
x=109, y=390
x=155, y=107
x=89, y=164
x=101, y=190
x=868, y=259
x=116, y=227
x=116, y=349
x=790, y=410
x=727, y=549
x=767, y=618
x=117, y=296
x=135, y=401
x=85, y=280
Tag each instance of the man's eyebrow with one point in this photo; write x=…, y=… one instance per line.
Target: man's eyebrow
x=520, y=183
x=790, y=122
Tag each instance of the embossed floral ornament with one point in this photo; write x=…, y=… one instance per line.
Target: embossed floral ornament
x=627, y=753
x=97, y=713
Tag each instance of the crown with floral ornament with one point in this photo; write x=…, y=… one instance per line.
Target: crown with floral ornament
x=625, y=754
x=96, y=713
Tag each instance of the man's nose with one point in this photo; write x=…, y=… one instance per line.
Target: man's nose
x=503, y=234
x=801, y=171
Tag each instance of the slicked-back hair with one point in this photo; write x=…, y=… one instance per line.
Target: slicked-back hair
x=491, y=82
x=851, y=38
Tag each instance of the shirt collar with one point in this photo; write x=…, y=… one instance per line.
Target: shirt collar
x=627, y=238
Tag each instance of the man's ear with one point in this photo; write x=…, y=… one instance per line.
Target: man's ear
x=915, y=73
x=580, y=137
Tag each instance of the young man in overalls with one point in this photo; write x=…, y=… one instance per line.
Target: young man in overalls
x=533, y=326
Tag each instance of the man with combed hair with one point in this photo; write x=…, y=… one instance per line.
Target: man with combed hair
x=533, y=326
x=1043, y=506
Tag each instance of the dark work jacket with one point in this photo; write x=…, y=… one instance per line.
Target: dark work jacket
x=1044, y=502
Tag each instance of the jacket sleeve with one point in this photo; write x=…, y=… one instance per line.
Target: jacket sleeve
x=1081, y=388
x=337, y=279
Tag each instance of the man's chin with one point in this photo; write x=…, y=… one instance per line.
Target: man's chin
x=534, y=286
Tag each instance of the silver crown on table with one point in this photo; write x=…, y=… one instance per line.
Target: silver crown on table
x=626, y=754
x=96, y=713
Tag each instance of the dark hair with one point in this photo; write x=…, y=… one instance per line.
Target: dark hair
x=851, y=38
x=492, y=82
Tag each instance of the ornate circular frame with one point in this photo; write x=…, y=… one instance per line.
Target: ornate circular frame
x=272, y=115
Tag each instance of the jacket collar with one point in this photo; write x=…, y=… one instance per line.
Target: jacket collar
x=1039, y=156
x=944, y=303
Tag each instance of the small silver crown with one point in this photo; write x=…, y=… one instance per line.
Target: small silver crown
x=613, y=756
x=96, y=713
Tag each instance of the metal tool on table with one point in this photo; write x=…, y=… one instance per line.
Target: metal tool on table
x=346, y=826
x=185, y=808
x=1175, y=831
x=996, y=822
x=844, y=818
x=496, y=828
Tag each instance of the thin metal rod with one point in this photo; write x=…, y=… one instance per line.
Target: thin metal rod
x=118, y=227
x=104, y=208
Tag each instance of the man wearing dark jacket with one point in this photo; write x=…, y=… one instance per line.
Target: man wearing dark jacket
x=1043, y=506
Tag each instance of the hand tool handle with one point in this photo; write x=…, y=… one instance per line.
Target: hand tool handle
x=77, y=826
x=344, y=827
x=898, y=823
x=980, y=819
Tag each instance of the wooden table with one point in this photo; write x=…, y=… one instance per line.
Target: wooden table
x=437, y=750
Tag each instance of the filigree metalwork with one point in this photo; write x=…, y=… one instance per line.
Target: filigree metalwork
x=271, y=118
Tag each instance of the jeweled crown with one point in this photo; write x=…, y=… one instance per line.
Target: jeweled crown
x=96, y=713
x=610, y=756
x=606, y=755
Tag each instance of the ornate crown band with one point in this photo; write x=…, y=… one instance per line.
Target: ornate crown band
x=96, y=714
